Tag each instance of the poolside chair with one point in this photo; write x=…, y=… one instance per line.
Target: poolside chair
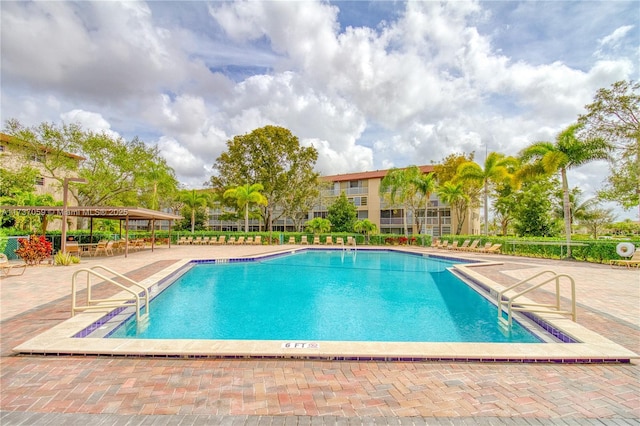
x=464, y=245
x=481, y=249
x=634, y=261
x=453, y=246
x=105, y=247
x=473, y=246
x=232, y=240
x=72, y=248
x=189, y=240
x=257, y=240
x=197, y=241
x=139, y=244
x=340, y=241
x=249, y=240
x=7, y=268
x=221, y=239
x=435, y=242
x=292, y=240
x=240, y=240
x=351, y=241
x=495, y=248
x=444, y=245
x=329, y=240
x=181, y=241
x=303, y=240
x=316, y=240
x=212, y=241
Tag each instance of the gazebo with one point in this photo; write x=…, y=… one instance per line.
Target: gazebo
x=123, y=214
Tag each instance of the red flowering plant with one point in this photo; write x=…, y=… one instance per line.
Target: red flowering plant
x=34, y=250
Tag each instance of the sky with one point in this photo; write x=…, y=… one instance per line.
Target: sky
x=370, y=84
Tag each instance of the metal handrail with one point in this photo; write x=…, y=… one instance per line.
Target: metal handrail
x=533, y=307
x=107, y=303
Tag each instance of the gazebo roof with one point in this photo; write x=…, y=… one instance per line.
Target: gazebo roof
x=120, y=213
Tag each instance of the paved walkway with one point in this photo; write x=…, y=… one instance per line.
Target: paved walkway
x=105, y=390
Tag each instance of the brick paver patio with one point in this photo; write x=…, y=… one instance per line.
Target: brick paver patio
x=106, y=390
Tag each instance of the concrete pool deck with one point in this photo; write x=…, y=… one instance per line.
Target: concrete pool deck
x=266, y=390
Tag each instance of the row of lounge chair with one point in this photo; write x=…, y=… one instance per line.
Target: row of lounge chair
x=328, y=240
x=104, y=247
x=467, y=245
x=222, y=239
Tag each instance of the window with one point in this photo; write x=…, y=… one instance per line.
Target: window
x=37, y=157
x=358, y=201
x=40, y=181
x=354, y=184
x=320, y=214
x=363, y=215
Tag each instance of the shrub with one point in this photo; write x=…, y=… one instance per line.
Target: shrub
x=34, y=250
x=62, y=258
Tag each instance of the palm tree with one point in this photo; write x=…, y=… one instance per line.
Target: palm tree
x=455, y=195
x=426, y=185
x=400, y=184
x=246, y=195
x=318, y=225
x=496, y=169
x=365, y=226
x=194, y=199
x=566, y=153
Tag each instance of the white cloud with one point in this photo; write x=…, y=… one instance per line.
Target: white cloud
x=89, y=121
x=430, y=79
x=615, y=37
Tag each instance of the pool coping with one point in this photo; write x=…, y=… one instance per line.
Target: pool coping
x=590, y=347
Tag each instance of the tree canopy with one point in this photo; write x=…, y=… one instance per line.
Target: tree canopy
x=342, y=214
x=274, y=157
x=614, y=115
x=118, y=172
x=568, y=151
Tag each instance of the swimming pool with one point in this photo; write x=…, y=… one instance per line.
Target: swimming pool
x=325, y=295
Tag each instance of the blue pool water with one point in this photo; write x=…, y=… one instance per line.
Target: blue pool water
x=325, y=295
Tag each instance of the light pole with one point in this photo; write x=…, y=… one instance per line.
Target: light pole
x=65, y=187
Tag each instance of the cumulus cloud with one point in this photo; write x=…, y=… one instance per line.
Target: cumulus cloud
x=427, y=80
x=89, y=121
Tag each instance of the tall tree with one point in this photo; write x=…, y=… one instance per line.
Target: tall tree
x=117, y=171
x=194, y=200
x=566, y=153
x=532, y=205
x=495, y=171
x=455, y=195
x=426, y=185
x=342, y=214
x=399, y=186
x=246, y=195
x=446, y=171
x=272, y=156
x=614, y=115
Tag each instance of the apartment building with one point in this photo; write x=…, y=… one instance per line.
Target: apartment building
x=15, y=154
x=363, y=190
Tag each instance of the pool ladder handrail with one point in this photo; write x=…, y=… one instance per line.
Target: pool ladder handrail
x=108, y=303
x=535, y=307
